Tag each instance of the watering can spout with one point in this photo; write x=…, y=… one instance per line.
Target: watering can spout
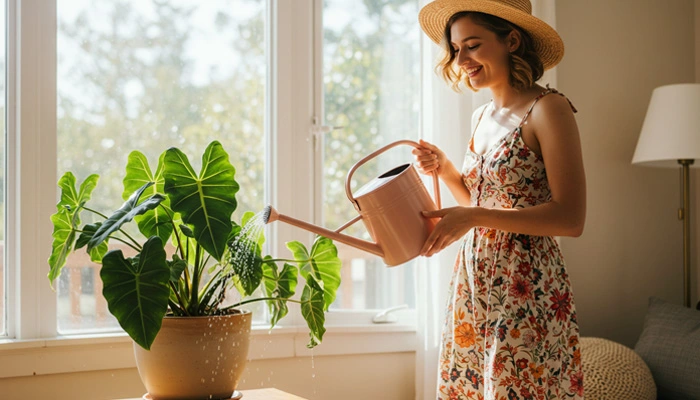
x=271, y=215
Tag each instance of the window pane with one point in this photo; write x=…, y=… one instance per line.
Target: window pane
x=3, y=274
x=371, y=83
x=149, y=75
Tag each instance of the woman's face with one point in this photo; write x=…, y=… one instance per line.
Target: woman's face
x=480, y=54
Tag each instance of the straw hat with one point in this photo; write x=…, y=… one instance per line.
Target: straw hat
x=433, y=18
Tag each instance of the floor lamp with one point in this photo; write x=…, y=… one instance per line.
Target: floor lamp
x=670, y=137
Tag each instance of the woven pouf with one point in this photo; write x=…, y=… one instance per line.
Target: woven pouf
x=615, y=372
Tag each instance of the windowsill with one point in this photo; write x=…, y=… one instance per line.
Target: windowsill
x=80, y=353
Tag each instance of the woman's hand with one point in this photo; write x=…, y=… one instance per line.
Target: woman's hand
x=454, y=223
x=430, y=158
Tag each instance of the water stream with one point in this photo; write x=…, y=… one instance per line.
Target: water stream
x=242, y=254
x=243, y=247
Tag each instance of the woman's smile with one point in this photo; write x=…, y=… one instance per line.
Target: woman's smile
x=473, y=71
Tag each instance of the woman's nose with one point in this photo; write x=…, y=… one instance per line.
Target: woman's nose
x=461, y=58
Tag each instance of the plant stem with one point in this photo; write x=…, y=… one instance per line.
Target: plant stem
x=177, y=236
x=194, y=295
x=177, y=294
x=187, y=269
x=134, y=241
x=271, y=260
x=207, y=285
x=138, y=249
x=259, y=299
x=95, y=212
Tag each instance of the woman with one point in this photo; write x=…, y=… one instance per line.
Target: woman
x=511, y=329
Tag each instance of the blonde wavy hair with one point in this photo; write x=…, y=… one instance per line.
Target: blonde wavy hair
x=525, y=64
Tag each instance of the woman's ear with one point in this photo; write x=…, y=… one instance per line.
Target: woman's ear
x=513, y=40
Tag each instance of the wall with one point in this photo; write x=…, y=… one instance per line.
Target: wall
x=695, y=179
x=617, y=52
x=368, y=376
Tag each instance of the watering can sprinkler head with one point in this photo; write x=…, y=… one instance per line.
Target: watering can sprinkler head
x=270, y=215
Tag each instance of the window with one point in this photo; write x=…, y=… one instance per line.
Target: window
x=371, y=97
x=150, y=75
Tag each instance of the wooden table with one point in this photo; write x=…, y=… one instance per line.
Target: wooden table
x=262, y=394
x=268, y=394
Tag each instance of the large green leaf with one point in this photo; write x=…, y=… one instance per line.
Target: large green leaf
x=279, y=285
x=323, y=264
x=138, y=173
x=136, y=290
x=125, y=214
x=72, y=198
x=249, y=272
x=312, y=311
x=88, y=232
x=205, y=201
x=67, y=219
x=63, y=238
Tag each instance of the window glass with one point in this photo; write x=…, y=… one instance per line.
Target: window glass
x=3, y=274
x=371, y=89
x=149, y=75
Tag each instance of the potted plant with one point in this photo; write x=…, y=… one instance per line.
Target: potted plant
x=151, y=291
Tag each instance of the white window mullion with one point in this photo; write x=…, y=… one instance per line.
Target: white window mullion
x=317, y=93
x=292, y=114
x=31, y=166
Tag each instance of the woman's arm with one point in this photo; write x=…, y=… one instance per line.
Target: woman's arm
x=558, y=139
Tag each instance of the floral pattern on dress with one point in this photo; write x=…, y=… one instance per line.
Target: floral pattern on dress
x=511, y=331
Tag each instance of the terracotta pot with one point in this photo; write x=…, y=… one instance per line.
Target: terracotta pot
x=196, y=357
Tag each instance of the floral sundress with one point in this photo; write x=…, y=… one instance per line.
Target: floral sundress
x=511, y=330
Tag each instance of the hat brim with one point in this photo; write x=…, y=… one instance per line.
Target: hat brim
x=433, y=18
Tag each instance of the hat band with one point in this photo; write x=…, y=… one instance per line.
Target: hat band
x=521, y=5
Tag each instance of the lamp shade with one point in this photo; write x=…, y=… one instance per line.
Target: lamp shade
x=671, y=129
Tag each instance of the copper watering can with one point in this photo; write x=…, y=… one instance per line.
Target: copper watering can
x=390, y=206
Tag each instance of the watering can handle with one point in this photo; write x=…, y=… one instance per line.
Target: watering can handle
x=348, y=191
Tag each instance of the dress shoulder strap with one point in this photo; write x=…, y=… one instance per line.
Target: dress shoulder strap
x=547, y=91
x=483, y=109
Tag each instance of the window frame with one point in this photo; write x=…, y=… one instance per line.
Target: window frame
x=31, y=161
x=293, y=42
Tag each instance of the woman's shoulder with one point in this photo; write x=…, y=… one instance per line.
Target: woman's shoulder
x=552, y=102
x=552, y=115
